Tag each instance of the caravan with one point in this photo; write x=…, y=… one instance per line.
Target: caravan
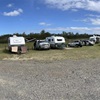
x=95, y=39
x=17, y=44
x=56, y=41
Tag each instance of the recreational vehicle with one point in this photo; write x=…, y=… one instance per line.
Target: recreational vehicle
x=56, y=41
x=95, y=39
x=17, y=44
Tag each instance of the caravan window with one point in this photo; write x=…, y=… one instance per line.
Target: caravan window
x=49, y=40
x=52, y=39
x=59, y=39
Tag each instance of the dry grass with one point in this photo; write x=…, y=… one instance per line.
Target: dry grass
x=54, y=54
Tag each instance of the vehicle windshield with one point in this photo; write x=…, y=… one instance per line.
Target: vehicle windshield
x=41, y=41
x=91, y=39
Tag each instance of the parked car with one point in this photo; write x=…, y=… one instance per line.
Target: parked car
x=77, y=43
x=87, y=43
x=41, y=44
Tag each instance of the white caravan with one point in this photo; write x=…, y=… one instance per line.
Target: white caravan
x=17, y=44
x=56, y=41
x=95, y=39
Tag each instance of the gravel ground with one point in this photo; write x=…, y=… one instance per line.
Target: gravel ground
x=56, y=80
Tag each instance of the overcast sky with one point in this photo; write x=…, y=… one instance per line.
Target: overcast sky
x=54, y=16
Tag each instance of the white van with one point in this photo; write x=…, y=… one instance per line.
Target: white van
x=56, y=41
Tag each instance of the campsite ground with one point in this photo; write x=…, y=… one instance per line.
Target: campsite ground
x=69, y=74
x=53, y=54
x=50, y=80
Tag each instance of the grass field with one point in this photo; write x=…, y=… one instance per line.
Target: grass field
x=48, y=55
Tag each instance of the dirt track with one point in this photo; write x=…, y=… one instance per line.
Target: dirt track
x=57, y=80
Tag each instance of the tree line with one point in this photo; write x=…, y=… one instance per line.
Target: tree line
x=43, y=34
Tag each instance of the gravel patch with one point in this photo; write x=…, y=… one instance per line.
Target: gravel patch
x=50, y=80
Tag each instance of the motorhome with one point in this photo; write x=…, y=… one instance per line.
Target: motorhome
x=17, y=44
x=56, y=41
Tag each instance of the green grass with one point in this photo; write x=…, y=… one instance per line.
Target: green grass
x=48, y=55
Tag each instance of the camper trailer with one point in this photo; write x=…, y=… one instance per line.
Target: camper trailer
x=56, y=41
x=17, y=44
x=95, y=39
